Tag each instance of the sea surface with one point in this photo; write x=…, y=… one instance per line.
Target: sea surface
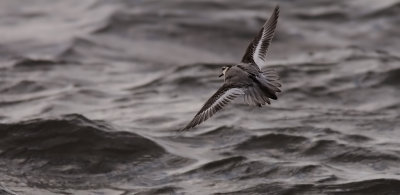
x=92, y=93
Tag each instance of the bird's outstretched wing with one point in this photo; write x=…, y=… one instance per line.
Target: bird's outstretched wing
x=258, y=93
x=222, y=97
x=256, y=52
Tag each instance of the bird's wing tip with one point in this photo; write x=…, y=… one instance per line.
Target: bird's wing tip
x=186, y=128
x=183, y=130
x=276, y=10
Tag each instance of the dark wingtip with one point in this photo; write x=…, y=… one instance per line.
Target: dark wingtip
x=187, y=127
x=276, y=8
x=276, y=11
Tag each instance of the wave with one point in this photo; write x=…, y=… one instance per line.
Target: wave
x=273, y=141
x=374, y=186
x=145, y=66
x=39, y=63
x=89, y=146
x=24, y=86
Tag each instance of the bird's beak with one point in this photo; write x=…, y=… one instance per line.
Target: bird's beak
x=221, y=75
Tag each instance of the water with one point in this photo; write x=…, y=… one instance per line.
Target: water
x=92, y=93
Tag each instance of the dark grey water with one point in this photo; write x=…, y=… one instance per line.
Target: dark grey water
x=92, y=92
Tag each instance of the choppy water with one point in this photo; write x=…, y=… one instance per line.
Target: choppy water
x=92, y=93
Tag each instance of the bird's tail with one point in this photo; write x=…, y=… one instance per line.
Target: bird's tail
x=269, y=83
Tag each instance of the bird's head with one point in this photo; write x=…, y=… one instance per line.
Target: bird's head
x=224, y=69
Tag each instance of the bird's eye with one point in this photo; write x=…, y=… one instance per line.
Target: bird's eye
x=223, y=68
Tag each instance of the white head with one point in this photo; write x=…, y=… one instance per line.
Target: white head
x=224, y=69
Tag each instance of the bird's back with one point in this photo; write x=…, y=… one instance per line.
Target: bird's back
x=237, y=76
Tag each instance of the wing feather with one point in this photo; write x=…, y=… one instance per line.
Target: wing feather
x=259, y=93
x=256, y=52
x=216, y=102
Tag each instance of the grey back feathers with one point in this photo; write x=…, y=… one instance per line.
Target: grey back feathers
x=246, y=79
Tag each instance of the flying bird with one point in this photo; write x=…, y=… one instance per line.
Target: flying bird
x=246, y=78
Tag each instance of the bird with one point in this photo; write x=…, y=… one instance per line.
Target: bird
x=246, y=78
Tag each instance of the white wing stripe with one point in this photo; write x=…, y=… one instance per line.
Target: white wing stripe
x=256, y=56
x=215, y=106
x=260, y=52
x=228, y=94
